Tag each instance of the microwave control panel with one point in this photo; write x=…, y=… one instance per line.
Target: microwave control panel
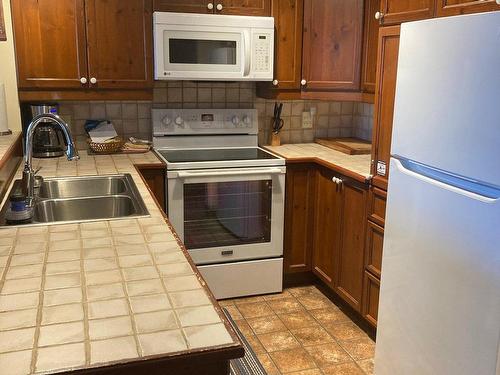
x=261, y=52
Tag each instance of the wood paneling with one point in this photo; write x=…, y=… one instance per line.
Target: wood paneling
x=327, y=226
x=3, y=34
x=332, y=44
x=119, y=42
x=397, y=11
x=50, y=43
x=299, y=217
x=374, y=246
x=388, y=48
x=371, y=298
x=456, y=7
x=154, y=176
x=183, y=6
x=350, y=259
x=370, y=42
x=377, y=202
x=244, y=7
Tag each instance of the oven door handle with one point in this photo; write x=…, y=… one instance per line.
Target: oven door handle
x=230, y=173
x=246, y=53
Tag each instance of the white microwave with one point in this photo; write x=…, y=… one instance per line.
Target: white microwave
x=213, y=47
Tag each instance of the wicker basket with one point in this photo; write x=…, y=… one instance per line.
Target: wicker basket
x=106, y=148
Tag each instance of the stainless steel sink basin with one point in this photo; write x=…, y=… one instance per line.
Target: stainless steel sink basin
x=76, y=199
x=83, y=187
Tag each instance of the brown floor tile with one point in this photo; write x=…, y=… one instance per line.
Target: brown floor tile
x=268, y=364
x=312, y=336
x=252, y=299
x=266, y=324
x=329, y=315
x=234, y=312
x=304, y=290
x=255, y=344
x=255, y=310
x=359, y=348
x=270, y=297
x=226, y=302
x=315, y=301
x=278, y=341
x=285, y=305
x=344, y=369
x=244, y=327
x=314, y=371
x=293, y=360
x=367, y=365
x=345, y=331
x=299, y=319
x=328, y=354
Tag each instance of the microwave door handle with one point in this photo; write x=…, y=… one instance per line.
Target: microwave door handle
x=229, y=173
x=246, y=53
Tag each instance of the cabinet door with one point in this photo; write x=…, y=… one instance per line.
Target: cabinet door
x=50, y=43
x=119, y=38
x=327, y=226
x=155, y=179
x=385, y=91
x=299, y=217
x=243, y=7
x=332, y=44
x=184, y=6
x=454, y=7
x=394, y=12
x=374, y=246
x=350, y=258
x=377, y=203
x=370, y=298
x=370, y=42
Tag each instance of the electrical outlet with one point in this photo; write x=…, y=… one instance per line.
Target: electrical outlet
x=307, y=120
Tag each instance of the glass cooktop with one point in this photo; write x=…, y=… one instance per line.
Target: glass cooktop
x=215, y=155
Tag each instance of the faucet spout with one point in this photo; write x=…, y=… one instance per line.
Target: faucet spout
x=28, y=173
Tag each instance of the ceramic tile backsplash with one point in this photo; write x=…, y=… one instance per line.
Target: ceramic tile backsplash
x=133, y=118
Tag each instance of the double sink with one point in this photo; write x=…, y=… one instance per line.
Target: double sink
x=72, y=199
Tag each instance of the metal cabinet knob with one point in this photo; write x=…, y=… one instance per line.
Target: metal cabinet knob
x=219, y=7
x=93, y=80
x=210, y=6
x=303, y=82
x=275, y=82
x=379, y=15
x=83, y=80
x=498, y=2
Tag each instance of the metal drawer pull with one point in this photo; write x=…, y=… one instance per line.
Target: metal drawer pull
x=229, y=173
x=227, y=252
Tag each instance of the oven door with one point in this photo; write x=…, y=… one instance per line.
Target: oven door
x=227, y=215
x=201, y=53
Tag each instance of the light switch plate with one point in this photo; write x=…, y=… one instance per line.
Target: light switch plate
x=307, y=120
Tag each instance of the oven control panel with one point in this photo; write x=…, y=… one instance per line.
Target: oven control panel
x=204, y=121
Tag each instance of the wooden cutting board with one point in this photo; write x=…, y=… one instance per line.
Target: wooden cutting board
x=350, y=146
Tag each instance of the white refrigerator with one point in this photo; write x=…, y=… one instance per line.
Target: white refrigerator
x=439, y=310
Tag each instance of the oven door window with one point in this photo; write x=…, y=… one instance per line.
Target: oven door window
x=227, y=213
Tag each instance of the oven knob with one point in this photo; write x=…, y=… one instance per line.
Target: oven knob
x=247, y=120
x=166, y=121
x=235, y=120
x=179, y=121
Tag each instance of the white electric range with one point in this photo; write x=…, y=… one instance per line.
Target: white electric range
x=225, y=197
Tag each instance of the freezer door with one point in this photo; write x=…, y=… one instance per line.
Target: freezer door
x=447, y=107
x=440, y=290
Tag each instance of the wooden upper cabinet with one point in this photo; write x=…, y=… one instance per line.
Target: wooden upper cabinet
x=50, y=43
x=243, y=7
x=119, y=42
x=455, y=7
x=385, y=92
x=393, y=12
x=332, y=44
x=184, y=6
x=370, y=42
x=299, y=217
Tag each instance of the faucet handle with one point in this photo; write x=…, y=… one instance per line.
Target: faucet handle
x=37, y=170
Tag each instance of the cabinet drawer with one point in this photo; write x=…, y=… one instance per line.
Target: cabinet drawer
x=371, y=291
x=377, y=206
x=374, y=246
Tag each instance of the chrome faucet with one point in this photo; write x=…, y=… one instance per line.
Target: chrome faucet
x=28, y=173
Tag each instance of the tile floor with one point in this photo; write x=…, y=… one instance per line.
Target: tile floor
x=301, y=332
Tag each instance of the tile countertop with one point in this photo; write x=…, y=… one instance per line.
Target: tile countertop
x=94, y=294
x=354, y=166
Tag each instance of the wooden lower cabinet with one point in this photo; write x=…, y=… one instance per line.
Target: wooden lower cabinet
x=455, y=7
x=394, y=12
x=299, y=217
x=370, y=298
x=154, y=176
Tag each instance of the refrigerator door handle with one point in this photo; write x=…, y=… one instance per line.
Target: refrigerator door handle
x=473, y=189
